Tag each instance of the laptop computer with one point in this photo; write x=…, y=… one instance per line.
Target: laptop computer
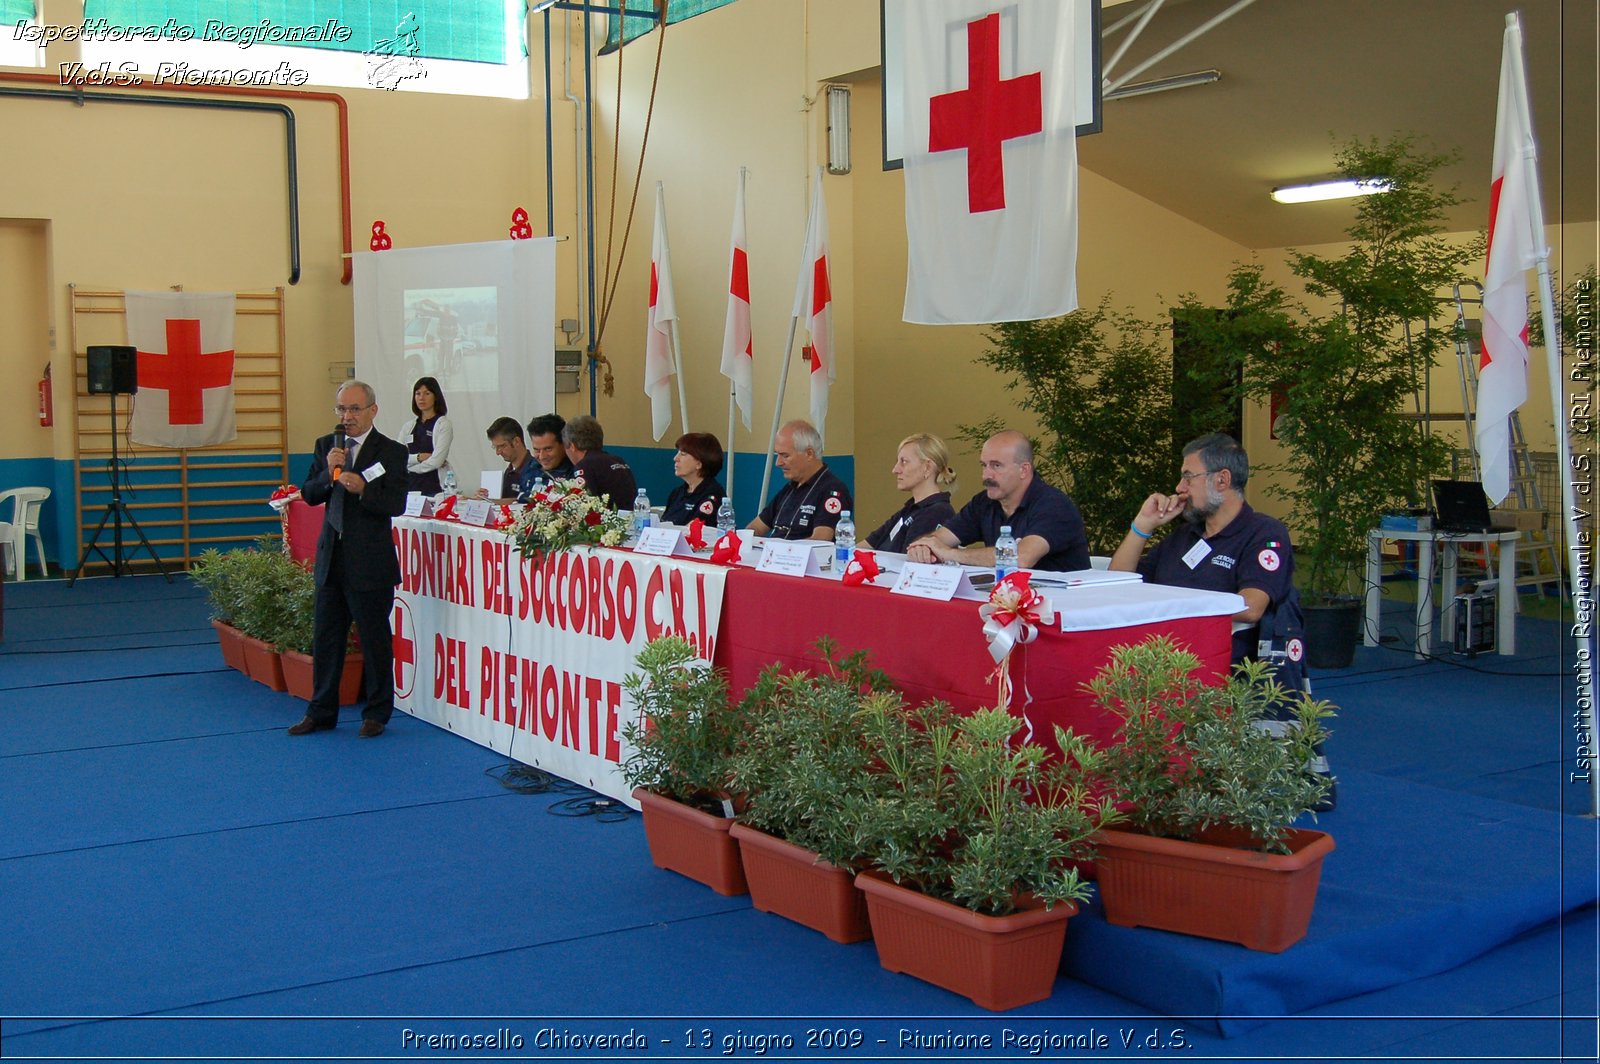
x=1462, y=506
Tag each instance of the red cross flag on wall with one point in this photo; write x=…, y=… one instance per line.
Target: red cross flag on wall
x=185, y=368
x=991, y=161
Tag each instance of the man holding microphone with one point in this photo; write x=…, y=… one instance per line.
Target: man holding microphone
x=360, y=474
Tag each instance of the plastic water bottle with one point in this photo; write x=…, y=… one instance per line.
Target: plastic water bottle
x=844, y=541
x=641, y=512
x=1005, y=554
x=725, y=518
x=447, y=479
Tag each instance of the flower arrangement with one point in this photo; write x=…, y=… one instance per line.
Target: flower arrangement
x=563, y=516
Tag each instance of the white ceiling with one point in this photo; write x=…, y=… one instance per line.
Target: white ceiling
x=1301, y=77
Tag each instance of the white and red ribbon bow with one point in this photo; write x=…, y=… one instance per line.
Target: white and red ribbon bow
x=282, y=497
x=1013, y=615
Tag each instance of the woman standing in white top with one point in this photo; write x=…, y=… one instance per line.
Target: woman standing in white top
x=427, y=438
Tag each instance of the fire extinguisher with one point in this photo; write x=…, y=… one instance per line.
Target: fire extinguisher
x=46, y=402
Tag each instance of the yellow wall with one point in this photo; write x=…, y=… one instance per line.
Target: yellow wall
x=111, y=196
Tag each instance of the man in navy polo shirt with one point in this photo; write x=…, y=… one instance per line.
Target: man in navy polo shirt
x=1046, y=524
x=809, y=505
x=1224, y=545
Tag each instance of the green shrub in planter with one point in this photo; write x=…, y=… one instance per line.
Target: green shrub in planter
x=953, y=808
x=218, y=573
x=687, y=727
x=803, y=749
x=1191, y=756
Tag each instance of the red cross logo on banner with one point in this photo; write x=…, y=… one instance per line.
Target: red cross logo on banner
x=988, y=112
x=405, y=650
x=185, y=371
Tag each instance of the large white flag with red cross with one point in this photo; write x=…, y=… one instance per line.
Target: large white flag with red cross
x=991, y=161
x=1503, y=368
x=185, y=368
x=813, y=305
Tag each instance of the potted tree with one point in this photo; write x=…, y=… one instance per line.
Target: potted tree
x=1342, y=380
x=802, y=751
x=264, y=610
x=677, y=763
x=974, y=841
x=1211, y=798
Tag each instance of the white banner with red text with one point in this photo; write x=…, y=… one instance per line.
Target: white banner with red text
x=528, y=659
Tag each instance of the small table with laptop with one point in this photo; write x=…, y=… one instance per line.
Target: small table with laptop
x=1462, y=517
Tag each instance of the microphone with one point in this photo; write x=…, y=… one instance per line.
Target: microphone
x=339, y=442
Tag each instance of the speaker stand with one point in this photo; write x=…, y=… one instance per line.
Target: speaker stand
x=116, y=513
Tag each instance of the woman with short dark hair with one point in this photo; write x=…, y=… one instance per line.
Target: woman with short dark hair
x=697, y=463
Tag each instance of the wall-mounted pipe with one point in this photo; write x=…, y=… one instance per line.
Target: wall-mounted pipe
x=80, y=97
x=340, y=104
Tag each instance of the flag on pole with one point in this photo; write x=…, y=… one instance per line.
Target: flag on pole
x=658, y=335
x=184, y=367
x=1503, y=366
x=813, y=303
x=991, y=161
x=738, y=352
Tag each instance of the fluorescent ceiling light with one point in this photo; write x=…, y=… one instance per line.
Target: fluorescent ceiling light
x=1326, y=190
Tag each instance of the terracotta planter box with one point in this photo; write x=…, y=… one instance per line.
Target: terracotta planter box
x=1259, y=900
x=1000, y=962
x=691, y=843
x=298, y=677
x=232, y=642
x=795, y=883
x=263, y=663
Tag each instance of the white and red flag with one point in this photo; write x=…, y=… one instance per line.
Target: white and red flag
x=1503, y=366
x=813, y=304
x=738, y=351
x=991, y=161
x=658, y=363
x=184, y=368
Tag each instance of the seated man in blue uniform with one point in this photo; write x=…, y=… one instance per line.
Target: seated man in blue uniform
x=808, y=507
x=1224, y=545
x=516, y=482
x=1046, y=523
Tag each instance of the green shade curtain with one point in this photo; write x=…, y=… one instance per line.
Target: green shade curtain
x=15, y=11
x=677, y=11
x=470, y=30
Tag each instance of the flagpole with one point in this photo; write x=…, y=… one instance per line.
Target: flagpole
x=730, y=449
x=677, y=371
x=1552, y=352
x=788, y=345
x=777, y=408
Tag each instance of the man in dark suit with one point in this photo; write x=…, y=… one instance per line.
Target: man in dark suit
x=363, y=484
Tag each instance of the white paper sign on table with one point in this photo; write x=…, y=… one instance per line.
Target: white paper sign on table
x=475, y=511
x=665, y=540
x=489, y=481
x=789, y=557
x=414, y=501
x=941, y=582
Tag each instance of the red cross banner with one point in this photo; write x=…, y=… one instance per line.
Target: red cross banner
x=991, y=161
x=185, y=368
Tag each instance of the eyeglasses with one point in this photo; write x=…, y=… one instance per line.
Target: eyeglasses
x=1186, y=477
x=350, y=409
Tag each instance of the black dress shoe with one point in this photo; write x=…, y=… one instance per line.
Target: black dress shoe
x=309, y=724
x=371, y=729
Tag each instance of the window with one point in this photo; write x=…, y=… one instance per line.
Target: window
x=19, y=34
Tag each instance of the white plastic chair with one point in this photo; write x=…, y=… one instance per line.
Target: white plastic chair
x=24, y=523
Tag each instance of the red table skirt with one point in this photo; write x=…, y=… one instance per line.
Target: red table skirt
x=936, y=649
x=301, y=529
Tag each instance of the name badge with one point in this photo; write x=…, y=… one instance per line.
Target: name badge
x=372, y=472
x=1197, y=553
x=789, y=557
